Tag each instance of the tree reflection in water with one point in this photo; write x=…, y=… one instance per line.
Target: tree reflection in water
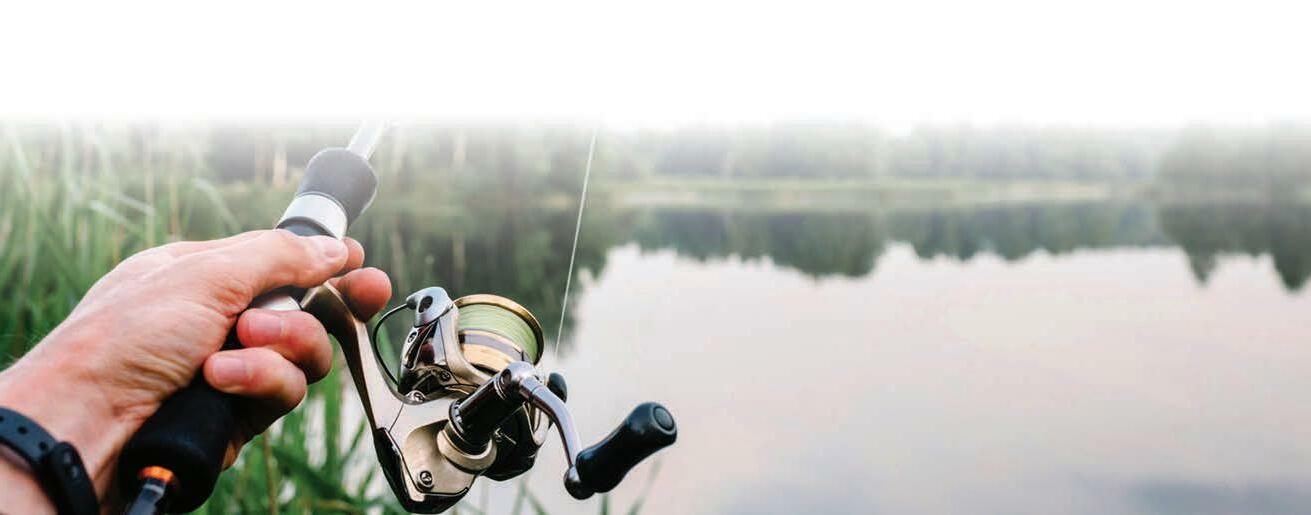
x=849, y=244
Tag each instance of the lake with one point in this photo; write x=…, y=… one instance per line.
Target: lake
x=1069, y=358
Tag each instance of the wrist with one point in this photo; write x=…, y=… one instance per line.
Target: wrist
x=22, y=493
x=60, y=391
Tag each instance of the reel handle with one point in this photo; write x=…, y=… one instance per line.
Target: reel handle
x=599, y=468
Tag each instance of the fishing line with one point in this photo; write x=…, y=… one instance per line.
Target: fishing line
x=573, y=251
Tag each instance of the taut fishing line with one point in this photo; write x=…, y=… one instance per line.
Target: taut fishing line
x=573, y=250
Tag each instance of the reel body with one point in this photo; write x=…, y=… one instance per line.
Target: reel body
x=469, y=400
x=489, y=333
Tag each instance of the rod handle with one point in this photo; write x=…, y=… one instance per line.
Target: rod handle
x=189, y=436
x=190, y=432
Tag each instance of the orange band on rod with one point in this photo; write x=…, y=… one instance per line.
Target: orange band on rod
x=160, y=473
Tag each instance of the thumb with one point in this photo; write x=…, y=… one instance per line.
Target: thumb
x=271, y=260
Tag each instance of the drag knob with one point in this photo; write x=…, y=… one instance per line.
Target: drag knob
x=649, y=428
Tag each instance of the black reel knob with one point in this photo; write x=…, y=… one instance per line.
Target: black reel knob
x=599, y=468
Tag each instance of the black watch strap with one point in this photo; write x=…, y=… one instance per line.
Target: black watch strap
x=57, y=465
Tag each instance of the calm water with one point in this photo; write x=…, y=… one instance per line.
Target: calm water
x=1020, y=359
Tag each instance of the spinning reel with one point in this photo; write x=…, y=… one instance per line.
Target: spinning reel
x=469, y=401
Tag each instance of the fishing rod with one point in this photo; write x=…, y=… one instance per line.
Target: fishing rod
x=176, y=456
x=469, y=400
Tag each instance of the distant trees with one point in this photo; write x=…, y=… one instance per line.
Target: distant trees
x=1270, y=158
x=854, y=151
x=1274, y=161
x=1025, y=153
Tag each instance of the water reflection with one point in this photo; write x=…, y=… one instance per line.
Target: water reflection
x=848, y=244
x=819, y=244
x=521, y=249
x=1096, y=381
x=1190, y=498
x=1208, y=231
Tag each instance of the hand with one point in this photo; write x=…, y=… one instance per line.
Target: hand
x=144, y=330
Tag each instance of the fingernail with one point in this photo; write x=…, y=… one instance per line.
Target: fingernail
x=331, y=248
x=228, y=371
x=263, y=326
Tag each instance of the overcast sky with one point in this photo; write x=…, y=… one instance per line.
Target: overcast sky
x=659, y=63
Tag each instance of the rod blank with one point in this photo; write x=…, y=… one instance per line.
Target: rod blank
x=366, y=138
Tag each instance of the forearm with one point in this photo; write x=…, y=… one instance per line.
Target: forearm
x=59, y=394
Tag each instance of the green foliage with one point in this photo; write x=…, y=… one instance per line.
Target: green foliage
x=67, y=217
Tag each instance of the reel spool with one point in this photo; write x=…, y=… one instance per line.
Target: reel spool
x=460, y=344
x=495, y=331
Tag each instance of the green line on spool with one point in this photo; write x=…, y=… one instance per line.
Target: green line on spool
x=496, y=319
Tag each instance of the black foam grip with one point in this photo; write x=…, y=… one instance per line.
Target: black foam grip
x=343, y=176
x=189, y=435
x=649, y=428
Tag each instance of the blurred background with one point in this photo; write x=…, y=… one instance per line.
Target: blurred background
x=945, y=258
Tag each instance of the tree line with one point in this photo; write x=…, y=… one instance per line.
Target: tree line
x=1269, y=157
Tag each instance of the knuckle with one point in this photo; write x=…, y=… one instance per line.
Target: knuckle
x=296, y=395
x=203, y=265
x=305, y=337
x=215, y=271
x=202, y=260
x=298, y=256
x=310, y=327
x=284, y=240
x=311, y=346
x=157, y=255
x=171, y=249
x=293, y=386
